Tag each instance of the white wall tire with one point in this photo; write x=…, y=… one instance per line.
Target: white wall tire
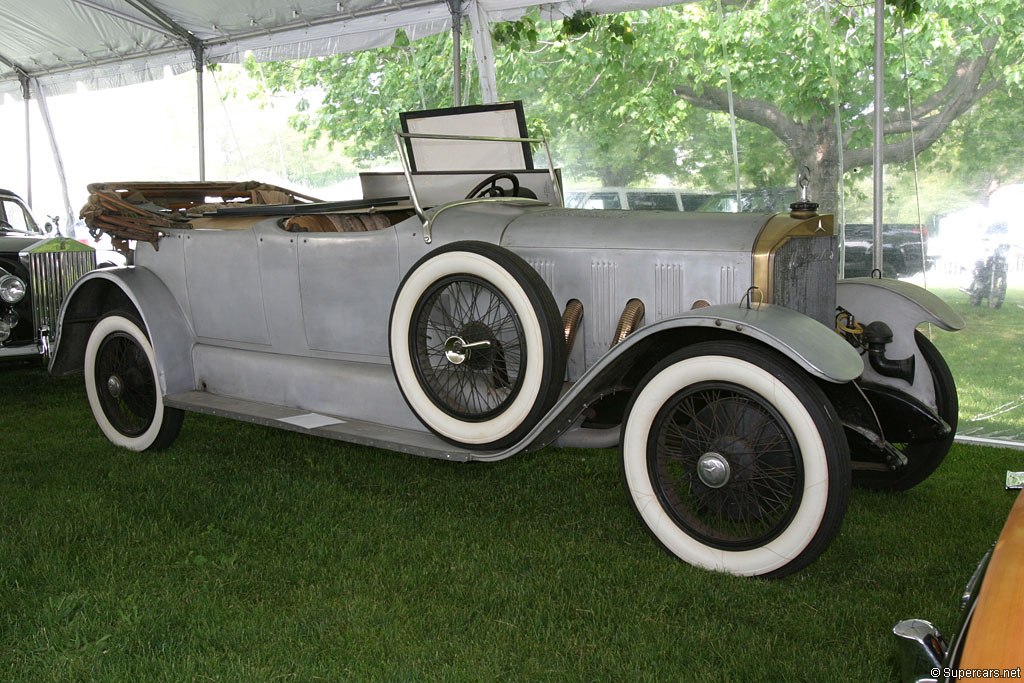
x=776, y=476
x=122, y=387
x=472, y=292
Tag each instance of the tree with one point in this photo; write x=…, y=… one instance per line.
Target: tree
x=354, y=99
x=956, y=54
x=624, y=98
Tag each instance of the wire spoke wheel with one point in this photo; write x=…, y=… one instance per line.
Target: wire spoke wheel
x=122, y=387
x=476, y=345
x=735, y=460
x=468, y=347
x=125, y=385
x=725, y=466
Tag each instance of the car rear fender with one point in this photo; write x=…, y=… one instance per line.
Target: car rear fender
x=103, y=291
x=902, y=306
x=812, y=346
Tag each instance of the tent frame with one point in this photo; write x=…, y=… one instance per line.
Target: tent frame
x=156, y=20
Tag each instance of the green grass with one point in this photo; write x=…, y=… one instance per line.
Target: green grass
x=246, y=553
x=987, y=361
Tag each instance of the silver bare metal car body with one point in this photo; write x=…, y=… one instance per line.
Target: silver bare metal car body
x=298, y=319
x=708, y=347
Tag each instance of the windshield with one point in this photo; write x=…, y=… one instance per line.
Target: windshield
x=14, y=217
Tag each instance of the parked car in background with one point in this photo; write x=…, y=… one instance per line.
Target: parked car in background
x=987, y=641
x=649, y=199
x=903, y=245
x=37, y=269
x=467, y=315
x=757, y=200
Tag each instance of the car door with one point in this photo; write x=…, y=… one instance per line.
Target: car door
x=222, y=276
x=347, y=281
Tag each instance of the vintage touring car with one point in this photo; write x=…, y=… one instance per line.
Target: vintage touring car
x=466, y=315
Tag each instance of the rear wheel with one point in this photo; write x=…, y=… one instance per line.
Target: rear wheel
x=121, y=383
x=735, y=461
x=925, y=456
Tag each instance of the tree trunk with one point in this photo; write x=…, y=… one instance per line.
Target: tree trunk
x=818, y=150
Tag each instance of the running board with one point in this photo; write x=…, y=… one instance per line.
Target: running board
x=319, y=424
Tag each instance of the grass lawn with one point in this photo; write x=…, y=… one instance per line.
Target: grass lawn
x=246, y=553
x=987, y=361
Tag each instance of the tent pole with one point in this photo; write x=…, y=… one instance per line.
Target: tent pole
x=732, y=110
x=26, y=95
x=876, y=245
x=197, y=50
x=456, y=9
x=57, y=160
x=484, y=51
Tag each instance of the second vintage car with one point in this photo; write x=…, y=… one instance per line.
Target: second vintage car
x=987, y=640
x=466, y=315
x=38, y=267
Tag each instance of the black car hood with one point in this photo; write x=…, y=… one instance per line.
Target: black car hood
x=12, y=243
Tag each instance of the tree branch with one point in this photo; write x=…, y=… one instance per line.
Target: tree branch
x=962, y=90
x=748, y=108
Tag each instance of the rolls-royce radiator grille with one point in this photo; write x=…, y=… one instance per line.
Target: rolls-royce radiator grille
x=804, y=273
x=51, y=276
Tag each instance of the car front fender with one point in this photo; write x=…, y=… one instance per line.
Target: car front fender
x=895, y=302
x=814, y=347
x=103, y=291
x=811, y=345
x=902, y=306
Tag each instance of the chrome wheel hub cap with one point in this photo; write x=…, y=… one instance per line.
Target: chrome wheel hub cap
x=456, y=350
x=713, y=470
x=115, y=386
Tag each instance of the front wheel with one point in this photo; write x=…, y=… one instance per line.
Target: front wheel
x=121, y=383
x=735, y=461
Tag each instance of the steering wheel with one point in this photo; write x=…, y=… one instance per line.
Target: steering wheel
x=488, y=187
x=5, y=224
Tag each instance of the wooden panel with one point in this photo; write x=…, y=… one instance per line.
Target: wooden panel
x=994, y=638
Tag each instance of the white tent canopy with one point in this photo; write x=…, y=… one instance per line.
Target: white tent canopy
x=47, y=46
x=106, y=43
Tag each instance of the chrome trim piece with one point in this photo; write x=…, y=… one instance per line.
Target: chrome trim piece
x=52, y=274
x=713, y=470
x=921, y=650
x=457, y=350
x=407, y=171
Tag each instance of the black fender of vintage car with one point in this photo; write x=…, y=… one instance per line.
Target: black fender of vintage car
x=812, y=346
x=902, y=306
x=123, y=289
